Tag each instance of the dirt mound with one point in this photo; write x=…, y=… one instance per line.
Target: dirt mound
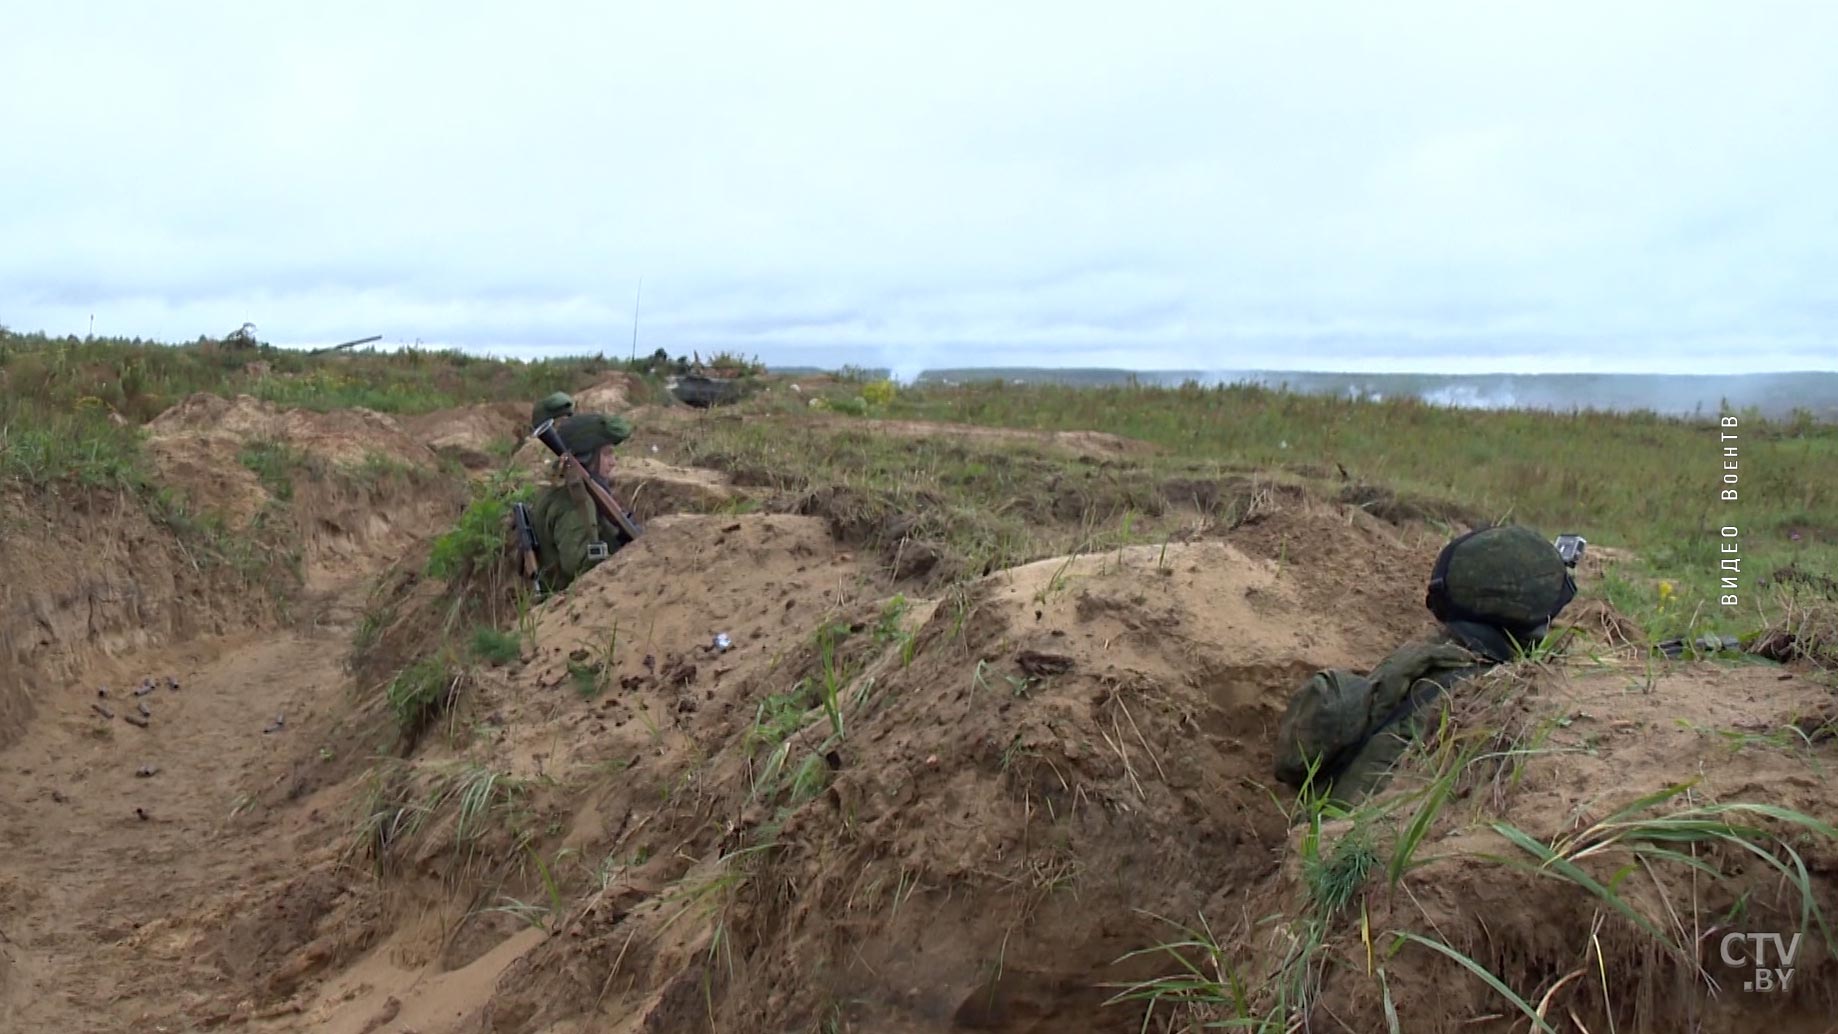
x=954, y=853
x=624, y=683
x=636, y=634
x=1345, y=559
x=651, y=488
x=1006, y=789
x=1389, y=506
x=344, y=488
x=611, y=395
x=349, y=437
x=1079, y=739
x=476, y=437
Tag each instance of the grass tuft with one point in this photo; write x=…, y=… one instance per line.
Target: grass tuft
x=420, y=693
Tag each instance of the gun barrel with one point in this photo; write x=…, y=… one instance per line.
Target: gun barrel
x=526, y=532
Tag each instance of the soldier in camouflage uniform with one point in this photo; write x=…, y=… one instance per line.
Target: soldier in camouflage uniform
x=571, y=534
x=556, y=407
x=1495, y=591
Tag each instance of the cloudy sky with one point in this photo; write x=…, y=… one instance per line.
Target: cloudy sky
x=1440, y=187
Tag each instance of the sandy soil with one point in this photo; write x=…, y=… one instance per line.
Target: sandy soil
x=100, y=861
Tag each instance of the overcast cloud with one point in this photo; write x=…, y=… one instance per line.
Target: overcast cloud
x=1442, y=187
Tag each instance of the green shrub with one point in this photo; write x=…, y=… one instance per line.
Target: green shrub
x=880, y=393
x=480, y=536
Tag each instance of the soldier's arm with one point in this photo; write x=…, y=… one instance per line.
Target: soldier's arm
x=576, y=539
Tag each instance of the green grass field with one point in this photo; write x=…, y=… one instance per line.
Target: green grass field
x=70, y=413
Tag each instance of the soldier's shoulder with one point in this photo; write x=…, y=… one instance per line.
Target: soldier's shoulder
x=546, y=497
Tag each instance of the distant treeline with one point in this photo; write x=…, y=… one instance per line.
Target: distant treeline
x=1776, y=396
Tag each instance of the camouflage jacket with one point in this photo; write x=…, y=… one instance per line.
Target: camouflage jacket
x=567, y=527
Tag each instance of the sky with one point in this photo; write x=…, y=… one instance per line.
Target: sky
x=1432, y=187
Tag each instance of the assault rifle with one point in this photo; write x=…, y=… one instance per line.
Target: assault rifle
x=526, y=545
x=602, y=496
x=1704, y=644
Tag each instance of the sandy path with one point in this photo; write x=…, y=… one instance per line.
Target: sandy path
x=82, y=875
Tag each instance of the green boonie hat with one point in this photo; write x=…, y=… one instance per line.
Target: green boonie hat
x=554, y=407
x=1509, y=577
x=585, y=433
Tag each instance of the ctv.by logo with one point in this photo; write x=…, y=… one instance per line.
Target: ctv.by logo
x=1766, y=978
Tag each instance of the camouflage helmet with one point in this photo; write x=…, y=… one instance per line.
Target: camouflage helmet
x=1509, y=578
x=587, y=433
x=555, y=407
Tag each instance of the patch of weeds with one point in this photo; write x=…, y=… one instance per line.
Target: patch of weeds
x=495, y=647
x=591, y=677
x=45, y=450
x=781, y=716
x=370, y=627
x=738, y=507
x=420, y=693
x=274, y=463
x=538, y=915
x=1785, y=738
x=888, y=629
x=586, y=679
x=1056, y=584
x=1518, y=1001
x=810, y=779
x=404, y=801
x=1212, y=984
x=1542, y=650
x=892, y=613
x=1642, y=836
x=380, y=468
x=206, y=541
x=1335, y=880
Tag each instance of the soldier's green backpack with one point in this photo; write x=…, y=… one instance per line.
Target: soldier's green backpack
x=1334, y=721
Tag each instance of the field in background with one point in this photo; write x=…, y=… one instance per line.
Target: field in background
x=1811, y=396
x=69, y=412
